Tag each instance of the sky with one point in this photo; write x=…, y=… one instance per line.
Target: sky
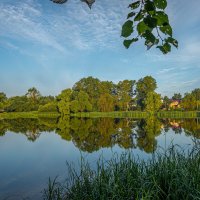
x=51, y=46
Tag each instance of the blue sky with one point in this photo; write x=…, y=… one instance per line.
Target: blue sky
x=50, y=47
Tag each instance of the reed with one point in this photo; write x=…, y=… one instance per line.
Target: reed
x=170, y=175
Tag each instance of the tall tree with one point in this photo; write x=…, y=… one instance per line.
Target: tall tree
x=3, y=99
x=152, y=102
x=33, y=94
x=84, y=103
x=91, y=86
x=177, y=96
x=143, y=87
x=166, y=102
x=106, y=103
x=125, y=93
x=64, y=101
x=196, y=94
x=188, y=102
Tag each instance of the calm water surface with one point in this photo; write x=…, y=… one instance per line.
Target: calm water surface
x=32, y=150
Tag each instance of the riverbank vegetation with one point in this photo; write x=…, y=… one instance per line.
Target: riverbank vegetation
x=172, y=174
x=92, y=95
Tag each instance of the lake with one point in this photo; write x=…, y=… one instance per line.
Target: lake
x=32, y=150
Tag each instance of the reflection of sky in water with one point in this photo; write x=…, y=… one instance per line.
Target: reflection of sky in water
x=26, y=166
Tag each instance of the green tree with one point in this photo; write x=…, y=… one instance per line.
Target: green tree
x=196, y=94
x=177, y=96
x=152, y=102
x=166, y=102
x=64, y=101
x=188, y=102
x=20, y=104
x=3, y=100
x=143, y=87
x=49, y=107
x=33, y=94
x=83, y=100
x=74, y=106
x=107, y=87
x=106, y=103
x=90, y=86
x=125, y=93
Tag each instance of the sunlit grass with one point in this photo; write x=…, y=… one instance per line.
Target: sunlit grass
x=170, y=175
x=34, y=114
x=115, y=114
x=178, y=114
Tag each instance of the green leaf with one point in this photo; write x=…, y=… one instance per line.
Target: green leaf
x=167, y=30
x=139, y=16
x=127, y=28
x=142, y=27
x=162, y=18
x=134, y=5
x=166, y=48
x=148, y=44
x=127, y=43
x=150, y=21
x=131, y=14
x=149, y=6
x=161, y=4
x=149, y=36
x=172, y=41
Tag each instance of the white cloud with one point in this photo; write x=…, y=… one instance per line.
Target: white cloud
x=73, y=25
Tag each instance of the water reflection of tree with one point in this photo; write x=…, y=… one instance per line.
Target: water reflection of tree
x=192, y=127
x=93, y=134
x=31, y=128
x=147, y=130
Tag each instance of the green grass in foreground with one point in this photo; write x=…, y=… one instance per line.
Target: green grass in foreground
x=168, y=176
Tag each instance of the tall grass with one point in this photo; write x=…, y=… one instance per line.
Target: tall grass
x=172, y=175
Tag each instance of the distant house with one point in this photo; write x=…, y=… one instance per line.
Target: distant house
x=175, y=104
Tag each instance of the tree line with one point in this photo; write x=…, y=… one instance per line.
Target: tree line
x=93, y=95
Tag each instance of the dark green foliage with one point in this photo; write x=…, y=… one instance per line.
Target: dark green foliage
x=127, y=28
x=151, y=23
x=49, y=107
x=169, y=175
x=64, y=101
x=3, y=99
x=143, y=87
x=152, y=102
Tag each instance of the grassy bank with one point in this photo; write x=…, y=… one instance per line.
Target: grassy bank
x=14, y=115
x=170, y=176
x=116, y=114
x=178, y=114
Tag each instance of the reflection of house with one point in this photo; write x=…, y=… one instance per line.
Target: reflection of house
x=175, y=124
x=175, y=104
